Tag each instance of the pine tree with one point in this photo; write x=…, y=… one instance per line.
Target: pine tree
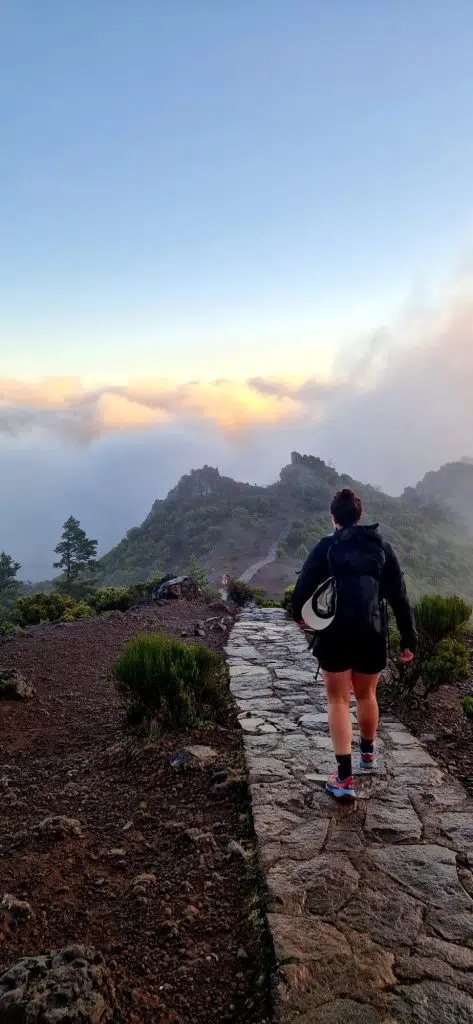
x=76, y=552
x=10, y=587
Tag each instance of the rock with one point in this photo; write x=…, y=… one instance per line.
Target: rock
x=321, y=885
x=391, y=823
x=428, y=737
x=318, y=964
x=72, y=986
x=229, y=781
x=458, y=826
x=342, y=1011
x=235, y=850
x=456, y=927
x=202, y=840
x=59, y=826
x=394, y=918
x=14, y=912
x=13, y=686
x=199, y=629
x=195, y=756
x=431, y=1003
x=178, y=587
x=426, y=872
x=145, y=881
x=117, y=853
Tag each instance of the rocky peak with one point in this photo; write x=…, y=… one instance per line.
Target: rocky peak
x=196, y=484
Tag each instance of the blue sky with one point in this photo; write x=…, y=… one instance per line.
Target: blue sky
x=193, y=190
x=200, y=188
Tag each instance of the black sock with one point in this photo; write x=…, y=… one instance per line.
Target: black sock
x=344, y=766
x=366, y=746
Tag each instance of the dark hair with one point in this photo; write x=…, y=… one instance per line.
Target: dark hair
x=346, y=507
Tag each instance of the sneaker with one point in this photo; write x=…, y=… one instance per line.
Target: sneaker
x=341, y=790
x=368, y=761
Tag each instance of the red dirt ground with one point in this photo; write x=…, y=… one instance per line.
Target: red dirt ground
x=183, y=948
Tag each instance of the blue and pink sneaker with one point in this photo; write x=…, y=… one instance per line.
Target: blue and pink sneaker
x=368, y=761
x=341, y=790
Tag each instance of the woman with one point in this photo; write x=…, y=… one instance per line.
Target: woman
x=352, y=651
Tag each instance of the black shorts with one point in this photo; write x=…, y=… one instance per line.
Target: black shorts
x=338, y=652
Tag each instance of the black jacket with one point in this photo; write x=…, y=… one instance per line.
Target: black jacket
x=393, y=588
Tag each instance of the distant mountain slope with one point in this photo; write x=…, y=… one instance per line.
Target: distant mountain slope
x=226, y=525
x=451, y=485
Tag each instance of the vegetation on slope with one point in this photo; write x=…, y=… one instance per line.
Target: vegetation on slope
x=211, y=517
x=224, y=524
x=450, y=486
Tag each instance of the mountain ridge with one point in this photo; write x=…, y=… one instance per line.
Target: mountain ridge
x=226, y=524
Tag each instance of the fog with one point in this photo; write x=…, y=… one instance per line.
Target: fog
x=399, y=406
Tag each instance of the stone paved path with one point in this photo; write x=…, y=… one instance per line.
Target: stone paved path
x=370, y=904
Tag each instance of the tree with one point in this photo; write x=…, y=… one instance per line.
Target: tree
x=10, y=587
x=76, y=552
x=198, y=573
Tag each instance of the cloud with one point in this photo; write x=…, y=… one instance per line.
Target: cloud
x=398, y=404
x=65, y=407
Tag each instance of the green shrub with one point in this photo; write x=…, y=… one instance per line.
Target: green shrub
x=239, y=593
x=7, y=629
x=81, y=610
x=440, y=617
x=287, y=597
x=449, y=665
x=109, y=599
x=467, y=705
x=441, y=659
x=41, y=607
x=139, y=593
x=158, y=677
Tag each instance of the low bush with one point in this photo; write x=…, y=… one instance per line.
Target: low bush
x=287, y=598
x=162, y=679
x=440, y=617
x=441, y=658
x=449, y=665
x=41, y=607
x=467, y=705
x=110, y=599
x=81, y=610
x=239, y=593
x=7, y=629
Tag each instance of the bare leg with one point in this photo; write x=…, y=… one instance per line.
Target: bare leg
x=367, y=706
x=338, y=686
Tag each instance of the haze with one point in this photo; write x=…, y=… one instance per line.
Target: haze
x=228, y=231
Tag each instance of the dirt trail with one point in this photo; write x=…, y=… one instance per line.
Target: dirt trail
x=272, y=555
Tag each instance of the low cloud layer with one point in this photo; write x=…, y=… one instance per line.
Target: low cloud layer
x=398, y=405
x=67, y=409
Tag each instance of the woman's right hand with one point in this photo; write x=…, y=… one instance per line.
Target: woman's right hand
x=406, y=656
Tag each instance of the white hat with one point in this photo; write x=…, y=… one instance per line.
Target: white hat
x=319, y=611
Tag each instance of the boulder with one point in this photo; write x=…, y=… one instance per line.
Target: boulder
x=72, y=986
x=13, y=686
x=59, y=826
x=196, y=756
x=178, y=587
x=14, y=912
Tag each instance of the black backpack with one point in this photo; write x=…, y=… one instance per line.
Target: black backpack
x=356, y=560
